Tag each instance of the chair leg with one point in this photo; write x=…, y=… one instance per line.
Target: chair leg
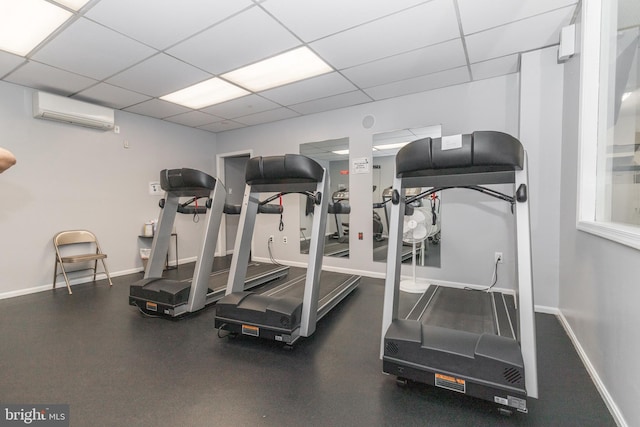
x=104, y=265
x=55, y=274
x=95, y=269
x=66, y=278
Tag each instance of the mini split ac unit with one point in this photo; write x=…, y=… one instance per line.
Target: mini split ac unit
x=61, y=109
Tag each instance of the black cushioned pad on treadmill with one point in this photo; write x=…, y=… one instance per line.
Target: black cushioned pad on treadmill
x=290, y=168
x=482, y=151
x=187, y=182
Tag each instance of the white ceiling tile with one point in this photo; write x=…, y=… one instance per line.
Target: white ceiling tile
x=527, y=34
x=159, y=75
x=474, y=16
x=193, y=118
x=424, y=25
x=8, y=62
x=49, y=79
x=416, y=63
x=313, y=19
x=109, y=53
x=246, y=38
x=92, y=50
x=306, y=90
x=250, y=104
x=222, y=126
x=267, y=116
x=110, y=96
x=331, y=102
x=420, y=84
x=163, y=23
x=495, y=67
x=158, y=108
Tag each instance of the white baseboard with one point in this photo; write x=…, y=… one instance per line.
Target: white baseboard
x=324, y=267
x=79, y=280
x=382, y=275
x=546, y=309
x=60, y=284
x=608, y=400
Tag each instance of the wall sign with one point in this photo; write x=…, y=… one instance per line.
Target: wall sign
x=360, y=165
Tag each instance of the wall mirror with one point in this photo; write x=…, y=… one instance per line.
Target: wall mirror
x=332, y=154
x=421, y=231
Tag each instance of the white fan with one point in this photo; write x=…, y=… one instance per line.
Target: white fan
x=416, y=228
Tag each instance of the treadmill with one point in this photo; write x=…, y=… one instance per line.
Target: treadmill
x=338, y=248
x=477, y=342
x=156, y=295
x=380, y=247
x=291, y=310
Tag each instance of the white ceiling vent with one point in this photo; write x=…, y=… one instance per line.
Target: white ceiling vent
x=62, y=109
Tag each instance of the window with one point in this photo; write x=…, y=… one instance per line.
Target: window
x=610, y=121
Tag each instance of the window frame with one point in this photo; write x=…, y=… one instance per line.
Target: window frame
x=595, y=28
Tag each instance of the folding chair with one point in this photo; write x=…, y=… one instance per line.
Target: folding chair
x=84, y=239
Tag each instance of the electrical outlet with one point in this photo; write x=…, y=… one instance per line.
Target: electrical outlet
x=498, y=257
x=284, y=239
x=271, y=239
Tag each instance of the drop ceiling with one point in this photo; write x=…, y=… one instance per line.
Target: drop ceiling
x=126, y=54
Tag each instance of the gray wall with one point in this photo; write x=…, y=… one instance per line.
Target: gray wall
x=599, y=287
x=71, y=177
x=541, y=132
x=471, y=235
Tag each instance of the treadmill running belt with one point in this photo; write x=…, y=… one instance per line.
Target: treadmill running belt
x=460, y=309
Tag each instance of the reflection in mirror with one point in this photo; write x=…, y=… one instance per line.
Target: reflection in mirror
x=421, y=227
x=334, y=156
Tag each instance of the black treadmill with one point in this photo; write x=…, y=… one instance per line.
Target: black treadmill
x=476, y=342
x=290, y=310
x=156, y=295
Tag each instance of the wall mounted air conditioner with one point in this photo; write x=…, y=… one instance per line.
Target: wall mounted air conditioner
x=62, y=109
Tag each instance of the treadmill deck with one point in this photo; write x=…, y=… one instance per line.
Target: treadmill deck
x=166, y=296
x=275, y=313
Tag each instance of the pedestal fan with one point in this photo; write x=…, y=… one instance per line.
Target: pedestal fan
x=416, y=228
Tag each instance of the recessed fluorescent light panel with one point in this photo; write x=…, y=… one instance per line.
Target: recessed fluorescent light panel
x=390, y=146
x=26, y=23
x=289, y=67
x=209, y=92
x=341, y=152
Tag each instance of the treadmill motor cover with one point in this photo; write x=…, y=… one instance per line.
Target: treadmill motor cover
x=491, y=359
x=281, y=313
x=162, y=291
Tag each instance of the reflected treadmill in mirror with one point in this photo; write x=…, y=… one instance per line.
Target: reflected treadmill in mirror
x=422, y=227
x=333, y=155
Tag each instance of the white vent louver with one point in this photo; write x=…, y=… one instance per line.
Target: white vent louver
x=61, y=109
